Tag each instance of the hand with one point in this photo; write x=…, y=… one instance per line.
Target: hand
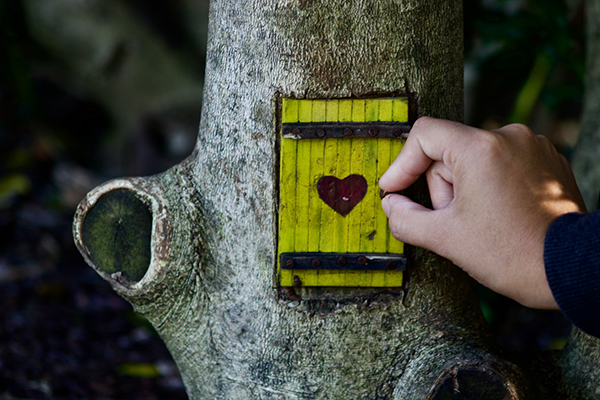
x=494, y=195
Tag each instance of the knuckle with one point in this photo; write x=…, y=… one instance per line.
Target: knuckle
x=519, y=129
x=488, y=143
x=422, y=125
x=545, y=143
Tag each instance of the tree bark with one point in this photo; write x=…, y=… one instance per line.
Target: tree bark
x=207, y=277
x=585, y=157
x=579, y=361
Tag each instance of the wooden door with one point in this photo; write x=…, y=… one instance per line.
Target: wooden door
x=333, y=153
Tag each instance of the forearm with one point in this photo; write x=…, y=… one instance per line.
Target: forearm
x=572, y=260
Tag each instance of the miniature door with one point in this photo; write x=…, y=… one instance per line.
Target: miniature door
x=332, y=229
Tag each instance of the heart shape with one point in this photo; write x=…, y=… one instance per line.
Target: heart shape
x=342, y=195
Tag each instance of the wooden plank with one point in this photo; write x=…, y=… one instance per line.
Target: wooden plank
x=304, y=214
x=303, y=180
x=385, y=110
x=343, y=170
x=327, y=244
x=289, y=110
x=319, y=110
x=287, y=205
x=371, y=110
x=394, y=246
x=371, y=201
x=378, y=278
x=358, y=110
x=380, y=242
x=345, y=112
x=356, y=216
x=317, y=148
x=394, y=278
x=332, y=111
x=400, y=109
x=305, y=111
x=328, y=217
x=331, y=277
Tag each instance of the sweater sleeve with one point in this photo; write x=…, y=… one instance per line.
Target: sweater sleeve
x=572, y=259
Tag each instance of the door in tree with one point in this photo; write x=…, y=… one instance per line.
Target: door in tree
x=332, y=230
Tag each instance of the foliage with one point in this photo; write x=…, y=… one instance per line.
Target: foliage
x=526, y=53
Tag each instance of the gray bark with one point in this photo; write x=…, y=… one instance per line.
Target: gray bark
x=209, y=289
x=585, y=158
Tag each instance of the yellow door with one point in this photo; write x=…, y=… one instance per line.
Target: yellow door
x=332, y=156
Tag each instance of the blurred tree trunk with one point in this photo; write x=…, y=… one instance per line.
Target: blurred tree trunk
x=194, y=249
x=105, y=51
x=581, y=357
x=585, y=160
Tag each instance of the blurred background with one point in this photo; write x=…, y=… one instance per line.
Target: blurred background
x=95, y=89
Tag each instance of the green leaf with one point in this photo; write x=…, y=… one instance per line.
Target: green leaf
x=139, y=370
x=530, y=93
x=13, y=185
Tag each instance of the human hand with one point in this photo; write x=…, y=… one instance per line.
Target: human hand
x=494, y=195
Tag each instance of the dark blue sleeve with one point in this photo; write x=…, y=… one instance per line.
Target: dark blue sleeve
x=572, y=258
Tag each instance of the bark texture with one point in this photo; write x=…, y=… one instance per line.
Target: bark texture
x=579, y=361
x=585, y=158
x=210, y=289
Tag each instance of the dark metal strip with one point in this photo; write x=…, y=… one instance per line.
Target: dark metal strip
x=344, y=261
x=322, y=130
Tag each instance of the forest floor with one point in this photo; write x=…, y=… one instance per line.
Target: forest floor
x=64, y=334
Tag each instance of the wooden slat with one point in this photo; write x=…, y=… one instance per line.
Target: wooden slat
x=385, y=110
x=394, y=245
x=358, y=111
x=345, y=114
x=381, y=222
x=371, y=110
x=303, y=180
x=317, y=147
x=400, y=110
x=289, y=111
x=319, y=110
x=343, y=170
x=356, y=216
x=287, y=205
x=369, y=231
x=328, y=216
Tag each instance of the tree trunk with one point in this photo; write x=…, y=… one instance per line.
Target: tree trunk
x=585, y=158
x=195, y=249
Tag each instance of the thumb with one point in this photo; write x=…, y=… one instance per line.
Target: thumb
x=413, y=223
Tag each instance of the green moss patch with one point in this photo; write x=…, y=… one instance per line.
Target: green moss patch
x=117, y=231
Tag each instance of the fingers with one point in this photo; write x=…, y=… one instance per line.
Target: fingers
x=441, y=189
x=412, y=223
x=430, y=140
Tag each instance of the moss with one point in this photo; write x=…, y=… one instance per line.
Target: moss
x=117, y=232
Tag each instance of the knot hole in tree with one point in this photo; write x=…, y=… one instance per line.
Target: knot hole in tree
x=472, y=382
x=117, y=232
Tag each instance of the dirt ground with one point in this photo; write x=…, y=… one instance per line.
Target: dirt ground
x=64, y=334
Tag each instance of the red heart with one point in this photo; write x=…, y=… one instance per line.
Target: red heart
x=342, y=194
